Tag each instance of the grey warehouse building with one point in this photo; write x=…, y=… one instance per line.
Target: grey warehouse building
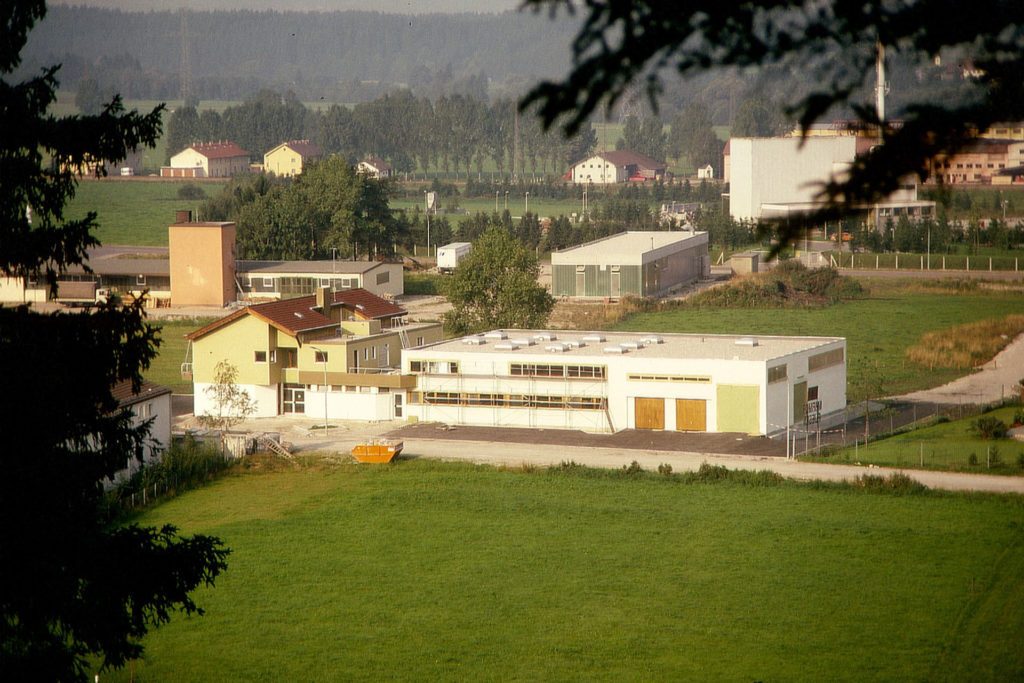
x=630, y=263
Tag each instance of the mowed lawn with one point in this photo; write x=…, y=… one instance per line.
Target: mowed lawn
x=166, y=367
x=435, y=571
x=878, y=328
x=135, y=211
x=948, y=445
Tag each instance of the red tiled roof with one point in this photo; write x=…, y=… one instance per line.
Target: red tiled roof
x=625, y=157
x=293, y=316
x=367, y=304
x=219, y=150
x=378, y=163
x=123, y=394
x=305, y=148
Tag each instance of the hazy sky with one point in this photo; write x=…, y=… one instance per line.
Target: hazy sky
x=387, y=6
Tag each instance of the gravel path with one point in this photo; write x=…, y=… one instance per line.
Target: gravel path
x=996, y=380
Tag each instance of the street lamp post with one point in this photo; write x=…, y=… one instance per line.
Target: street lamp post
x=426, y=204
x=323, y=358
x=506, y=199
x=527, y=203
x=496, y=200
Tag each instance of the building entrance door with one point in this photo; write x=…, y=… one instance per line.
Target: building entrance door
x=691, y=415
x=294, y=399
x=398, y=405
x=650, y=413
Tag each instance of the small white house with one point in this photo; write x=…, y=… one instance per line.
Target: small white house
x=609, y=381
x=706, y=172
x=374, y=167
x=151, y=402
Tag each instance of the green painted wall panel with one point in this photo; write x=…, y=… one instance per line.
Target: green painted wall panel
x=630, y=280
x=563, y=280
x=592, y=284
x=739, y=408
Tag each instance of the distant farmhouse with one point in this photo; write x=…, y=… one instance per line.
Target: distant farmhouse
x=606, y=168
x=630, y=263
x=207, y=160
x=289, y=158
x=776, y=177
x=374, y=167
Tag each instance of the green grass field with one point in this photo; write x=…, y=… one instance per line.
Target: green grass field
x=945, y=446
x=878, y=329
x=433, y=571
x=166, y=367
x=134, y=211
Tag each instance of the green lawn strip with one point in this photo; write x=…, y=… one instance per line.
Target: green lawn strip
x=166, y=367
x=878, y=329
x=429, y=570
x=423, y=283
x=944, y=446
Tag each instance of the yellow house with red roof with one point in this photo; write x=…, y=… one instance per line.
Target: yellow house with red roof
x=332, y=355
x=289, y=158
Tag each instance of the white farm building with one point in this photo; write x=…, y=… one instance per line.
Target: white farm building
x=609, y=381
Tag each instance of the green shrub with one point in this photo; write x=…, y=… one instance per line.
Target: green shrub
x=632, y=469
x=988, y=427
x=665, y=469
x=191, y=191
x=897, y=482
x=972, y=460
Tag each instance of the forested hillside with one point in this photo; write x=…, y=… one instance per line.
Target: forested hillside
x=336, y=56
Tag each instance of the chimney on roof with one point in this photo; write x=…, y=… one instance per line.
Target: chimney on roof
x=322, y=297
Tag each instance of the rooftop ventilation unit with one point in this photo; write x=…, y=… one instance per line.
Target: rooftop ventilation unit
x=652, y=340
x=631, y=345
x=557, y=348
x=522, y=342
x=497, y=334
x=615, y=349
x=574, y=344
x=595, y=338
x=746, y=341
x=504, y=346
x=546, y=336
x=474, y=341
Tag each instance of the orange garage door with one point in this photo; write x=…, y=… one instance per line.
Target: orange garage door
x=650, y=413
x=691, y=415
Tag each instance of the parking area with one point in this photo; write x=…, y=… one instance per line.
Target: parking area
x=629, y=439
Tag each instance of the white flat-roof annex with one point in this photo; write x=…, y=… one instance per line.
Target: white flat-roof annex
x=625, y=247
x=577, y=344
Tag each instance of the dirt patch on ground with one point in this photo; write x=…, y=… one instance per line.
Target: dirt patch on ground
x=630, y=439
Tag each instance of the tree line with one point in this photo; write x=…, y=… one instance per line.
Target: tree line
x=452, y=134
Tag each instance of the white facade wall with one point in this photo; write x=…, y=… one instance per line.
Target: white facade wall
x=487, y=372
x=597, y=171
x=159, y=410
x=781, y=171
x=369, y=404
x=264, y=396
x=13, y=290
x=189, y=158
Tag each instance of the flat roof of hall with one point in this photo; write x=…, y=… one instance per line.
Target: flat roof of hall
x=632, y=242
x=633, y=344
